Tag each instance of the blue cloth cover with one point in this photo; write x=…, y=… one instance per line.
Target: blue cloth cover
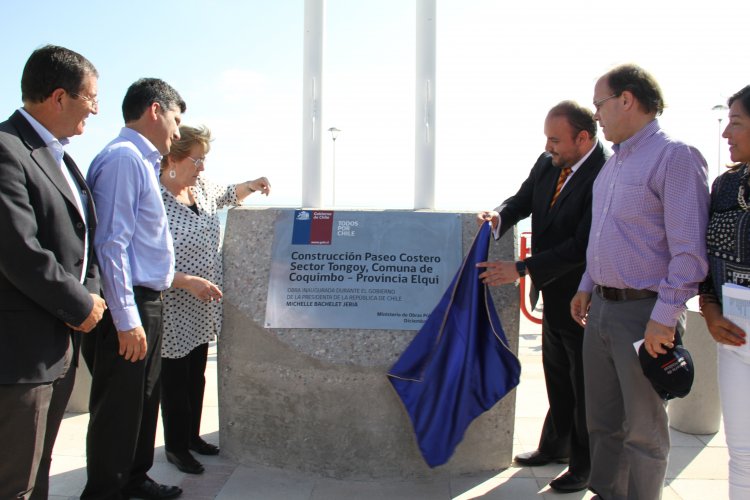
x=458, y=365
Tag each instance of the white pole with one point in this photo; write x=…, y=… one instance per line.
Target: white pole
x=312, y=75
x=333, y=173
x=424, y=117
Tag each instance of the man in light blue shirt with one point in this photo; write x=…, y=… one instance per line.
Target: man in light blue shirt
x=136, y=258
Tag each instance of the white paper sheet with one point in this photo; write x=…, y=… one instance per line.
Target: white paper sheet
x=736, y=308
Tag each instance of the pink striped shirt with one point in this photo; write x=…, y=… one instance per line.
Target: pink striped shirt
x=649, y=217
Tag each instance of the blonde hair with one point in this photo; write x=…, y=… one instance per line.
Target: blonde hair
x=189, y=137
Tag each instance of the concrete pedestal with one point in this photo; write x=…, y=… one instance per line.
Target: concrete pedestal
x=318, y=400
x=79, y=399
x=700, y=411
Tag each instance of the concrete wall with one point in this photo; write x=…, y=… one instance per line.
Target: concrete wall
x=318, y=400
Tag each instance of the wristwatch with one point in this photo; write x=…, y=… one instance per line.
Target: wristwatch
x=521, y=268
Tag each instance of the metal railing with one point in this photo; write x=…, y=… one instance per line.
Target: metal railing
x=524, y=252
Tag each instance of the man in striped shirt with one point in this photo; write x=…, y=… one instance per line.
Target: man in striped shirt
x=645, y=258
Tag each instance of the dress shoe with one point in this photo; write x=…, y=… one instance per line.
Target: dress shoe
x=151, y=490
x=536, y=457
x=185, y=462
x=569, y=482
x=203, y=448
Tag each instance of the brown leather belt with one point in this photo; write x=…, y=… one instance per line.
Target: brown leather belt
x=618, y=294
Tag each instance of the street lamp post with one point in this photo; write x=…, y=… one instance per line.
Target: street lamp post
x=334, y=134
x=719, y=109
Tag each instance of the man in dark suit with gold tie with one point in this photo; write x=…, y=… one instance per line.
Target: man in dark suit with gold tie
x=49, y=283
x=557, y=195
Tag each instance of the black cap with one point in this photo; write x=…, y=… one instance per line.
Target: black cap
x=670, y=374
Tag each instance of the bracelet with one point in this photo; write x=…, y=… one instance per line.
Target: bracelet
x=248, y=187
x=705, y=299
x=521, y=268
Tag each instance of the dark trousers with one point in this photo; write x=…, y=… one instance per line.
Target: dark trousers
x=124, y=403
x=183, y=382
x=564, y=433
x=30, y=416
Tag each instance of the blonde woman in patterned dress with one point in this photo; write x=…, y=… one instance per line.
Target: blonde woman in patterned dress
x=192, y=307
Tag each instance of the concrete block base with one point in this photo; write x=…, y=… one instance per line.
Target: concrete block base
x=318, y=400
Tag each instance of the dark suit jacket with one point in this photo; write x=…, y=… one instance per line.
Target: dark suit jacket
x=559, y=235
x=41, y=254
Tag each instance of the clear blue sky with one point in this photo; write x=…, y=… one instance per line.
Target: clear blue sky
x=501, y=66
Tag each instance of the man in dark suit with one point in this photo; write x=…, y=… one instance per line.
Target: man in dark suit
x=49, y=282
x=557, y=195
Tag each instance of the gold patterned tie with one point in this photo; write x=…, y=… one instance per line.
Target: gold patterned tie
x=564, y=173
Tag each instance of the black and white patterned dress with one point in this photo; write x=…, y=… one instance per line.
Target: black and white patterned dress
x=189, y=322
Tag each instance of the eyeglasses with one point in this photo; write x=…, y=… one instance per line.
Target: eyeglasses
x=598, y=104
x=93, y=102
x=198, y=163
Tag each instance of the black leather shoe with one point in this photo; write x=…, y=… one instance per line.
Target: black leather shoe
x=203, y=448
x=185, y=462
x=569, y=482
x=151, y=490
x=536, y=457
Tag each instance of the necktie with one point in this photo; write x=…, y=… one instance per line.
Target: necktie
x=564, y=173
